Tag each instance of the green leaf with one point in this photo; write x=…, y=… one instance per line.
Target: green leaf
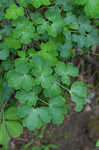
x=57, y=101
x=79, y=94
x=55, y=28
x=80, y=40
x=44, y=80
x=20, y=81
x=39, y=63
x=23, y=3
x=29, y=98
x=44, y=77
x=43, y=27
x=3, y=5
x=67, y=5
x=22, y=54
x=13, y=12
x=14, y=128
x=65, y=80
x=38, y=3
x=53, y=14
x=7, y=64
x=92, y=8
x=81, y=2
x=66, y=49
x=35, y=117
x=11, y=113
x=52, y=90
x=24, y=30
x=84, y=25
x=71, y=21
x=5, y=89
x=71, y=70
x=66, y=70
x=44, y=114
x=57, y=109
x=92, y=38
x=22, y=66
x=49, y=52
x=4, y=52
x=10, y=42
x=97, y=143
x=32, y=121
x=39, y=18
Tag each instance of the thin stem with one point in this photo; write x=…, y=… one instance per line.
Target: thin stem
x=63, y=87
x=43, y=101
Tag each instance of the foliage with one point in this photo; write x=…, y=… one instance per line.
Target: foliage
x=91, y=7
x=38, y=39
x=10, y=127
x=97, y=143
x=78, y=93
x=13, y=12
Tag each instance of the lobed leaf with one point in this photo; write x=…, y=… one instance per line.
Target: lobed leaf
x=13, y=12
x=79, y=94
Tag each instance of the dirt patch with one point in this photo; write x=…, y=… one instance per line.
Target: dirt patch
x=74, y=133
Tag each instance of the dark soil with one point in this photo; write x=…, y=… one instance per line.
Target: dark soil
x=74, y=134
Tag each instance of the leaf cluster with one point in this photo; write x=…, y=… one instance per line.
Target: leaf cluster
x=36, y=73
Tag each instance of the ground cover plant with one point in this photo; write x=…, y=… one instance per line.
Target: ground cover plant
x=38, y=39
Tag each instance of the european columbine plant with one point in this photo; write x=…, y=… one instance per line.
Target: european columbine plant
x=37, y=38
